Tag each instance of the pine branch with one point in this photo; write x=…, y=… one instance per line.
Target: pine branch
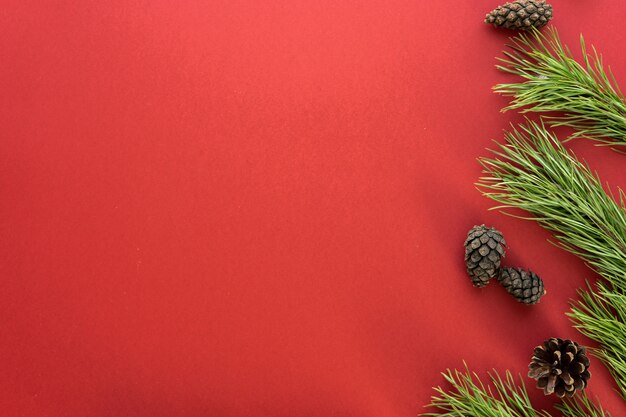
x=469, y=397
x=586, y=97
x=532, y=171
x=601, y=316
x=581, y=407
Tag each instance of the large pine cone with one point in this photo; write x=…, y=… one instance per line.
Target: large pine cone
x=521, y=15
x=484, y=250
x=560, y=366
x=525, y=286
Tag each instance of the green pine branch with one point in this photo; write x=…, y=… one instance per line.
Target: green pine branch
x=585, y=97
x=468, y=396
x=601, y=316
x=581, y=406
x=532, y=171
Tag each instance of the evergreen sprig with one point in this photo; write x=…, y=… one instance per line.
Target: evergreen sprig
x=534, y=172
x=468, y=396
x=585, y=97
x=581, y=407
x=601, y=316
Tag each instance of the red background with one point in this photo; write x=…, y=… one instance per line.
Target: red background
x=247, y=208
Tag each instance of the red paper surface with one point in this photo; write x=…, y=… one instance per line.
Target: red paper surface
x=257, y=208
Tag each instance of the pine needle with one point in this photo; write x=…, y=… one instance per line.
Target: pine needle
x=581, y=407
x=469, y=397
x=533, y=171
x=585, y=96
x=600, y=316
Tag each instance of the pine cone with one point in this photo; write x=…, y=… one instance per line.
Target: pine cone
x=521, y=15
x=484, y=249
x=560, y=366
x=525, y=286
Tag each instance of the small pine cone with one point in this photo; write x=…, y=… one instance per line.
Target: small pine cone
x=484, y=250
x=525, y=286
x=560, y=366
x=521, y=15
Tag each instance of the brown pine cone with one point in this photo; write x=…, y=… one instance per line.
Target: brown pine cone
x=525, y=286
x=560, y=367
x=521, y=15
x=484, y=250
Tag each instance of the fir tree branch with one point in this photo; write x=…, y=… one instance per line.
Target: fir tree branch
x=532, y=171
x=586, y=97
x=469, y=397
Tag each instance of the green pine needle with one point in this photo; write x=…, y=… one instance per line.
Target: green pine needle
x=533, y=171
x=581, y=407
x=601, y=315
x=585, y=97
x=469, y=397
